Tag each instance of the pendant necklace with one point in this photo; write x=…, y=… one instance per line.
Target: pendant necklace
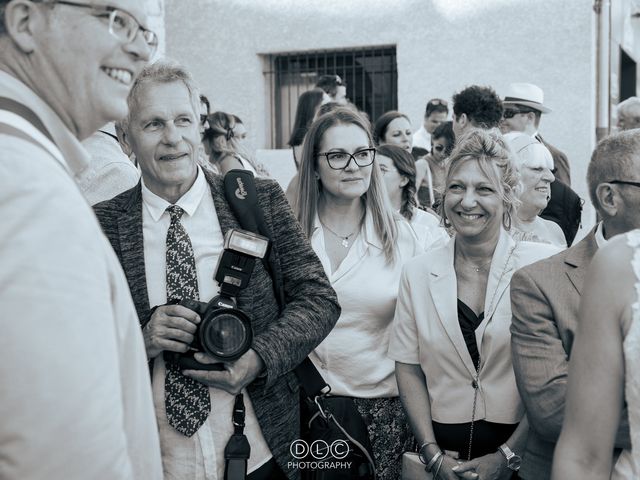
x=344, y=240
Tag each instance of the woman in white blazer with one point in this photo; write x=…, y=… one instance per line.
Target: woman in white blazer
x=450, y=338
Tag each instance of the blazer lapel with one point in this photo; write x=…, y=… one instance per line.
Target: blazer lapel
x=502, y=264
x=444, y=292
x=578, y=259
x=132, y=250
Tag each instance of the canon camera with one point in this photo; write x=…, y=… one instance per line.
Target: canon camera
x=224, y=331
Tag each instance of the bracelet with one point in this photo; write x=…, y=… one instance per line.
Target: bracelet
x=435, y=475
x=433, y=461
x=424, y=445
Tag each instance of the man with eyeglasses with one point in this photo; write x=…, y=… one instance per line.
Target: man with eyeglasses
x=74, y=397
x=523, y=108
x=545, y=297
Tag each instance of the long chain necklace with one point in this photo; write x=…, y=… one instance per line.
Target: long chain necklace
x=475, y=381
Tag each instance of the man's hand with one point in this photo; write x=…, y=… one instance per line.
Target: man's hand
x=171, y=328
x=235, y=376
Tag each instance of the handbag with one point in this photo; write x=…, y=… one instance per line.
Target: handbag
x=325, y=420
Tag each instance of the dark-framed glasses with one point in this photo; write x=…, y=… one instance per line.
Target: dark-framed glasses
x=122, y=25
x=623, y=182
x=512, y=112
x=438, y=148
x=341, y=160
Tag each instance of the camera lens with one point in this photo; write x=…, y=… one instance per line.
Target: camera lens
x=226, y=334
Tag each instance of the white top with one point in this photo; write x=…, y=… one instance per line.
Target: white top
x=75, y=400
x=540, y=230
x=427, y=228
x=353, y=357
x=110, y=173
x=426, y=331
x=200, y=457
x=422, y=139
x=600, y=240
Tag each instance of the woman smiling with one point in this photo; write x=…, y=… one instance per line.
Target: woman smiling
x=450, y=337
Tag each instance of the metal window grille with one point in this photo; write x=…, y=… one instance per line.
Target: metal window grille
x=371, y=76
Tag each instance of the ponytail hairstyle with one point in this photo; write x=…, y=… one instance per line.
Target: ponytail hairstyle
x=406, y=166
x=221, y=139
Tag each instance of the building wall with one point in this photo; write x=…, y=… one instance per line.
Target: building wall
x=442, y=46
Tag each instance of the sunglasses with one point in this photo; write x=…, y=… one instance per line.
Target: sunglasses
x=438, y=148
x=512, y=112
x=438, y=101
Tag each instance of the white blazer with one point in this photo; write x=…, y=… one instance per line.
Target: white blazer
x=426, y=331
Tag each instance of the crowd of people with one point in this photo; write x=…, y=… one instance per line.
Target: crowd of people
x=430, y=276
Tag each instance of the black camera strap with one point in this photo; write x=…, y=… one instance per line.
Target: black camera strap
x=238, y=450
x=241, y=195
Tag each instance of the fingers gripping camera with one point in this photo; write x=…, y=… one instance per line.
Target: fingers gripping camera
x=224, y=331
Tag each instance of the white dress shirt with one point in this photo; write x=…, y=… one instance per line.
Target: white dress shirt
x=75, y=401
x=200, y=457
x=353, y=357
x=422, y=139
x=428, y=230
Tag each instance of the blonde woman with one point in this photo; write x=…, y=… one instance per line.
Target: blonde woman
x=362, y=243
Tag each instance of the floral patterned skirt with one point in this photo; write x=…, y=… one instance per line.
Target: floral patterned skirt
x=389, y=432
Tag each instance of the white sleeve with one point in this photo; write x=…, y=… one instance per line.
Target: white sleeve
x=403, y=341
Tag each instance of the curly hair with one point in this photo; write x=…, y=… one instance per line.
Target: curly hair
x=381, y=125
x=497, y=163
x=406, y=166
x=481, y=105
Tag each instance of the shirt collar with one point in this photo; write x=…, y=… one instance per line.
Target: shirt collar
x=600, y=240
x=189, y=202
x=76, y=157
x=368, y=231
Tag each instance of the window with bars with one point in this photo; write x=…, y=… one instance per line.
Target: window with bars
x=370, y=74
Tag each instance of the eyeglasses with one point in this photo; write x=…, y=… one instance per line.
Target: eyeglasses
x=622, y=182
x=437, y=101
x=341, y=160
x=512, y=112
x=438, y=148
x=122, y=25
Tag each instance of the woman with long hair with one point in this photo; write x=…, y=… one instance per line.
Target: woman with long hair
x=399, y=173
x=450, y=337
x=344, y=210
x=308, y=104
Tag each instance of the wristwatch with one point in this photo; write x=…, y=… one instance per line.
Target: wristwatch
x=513, y=461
